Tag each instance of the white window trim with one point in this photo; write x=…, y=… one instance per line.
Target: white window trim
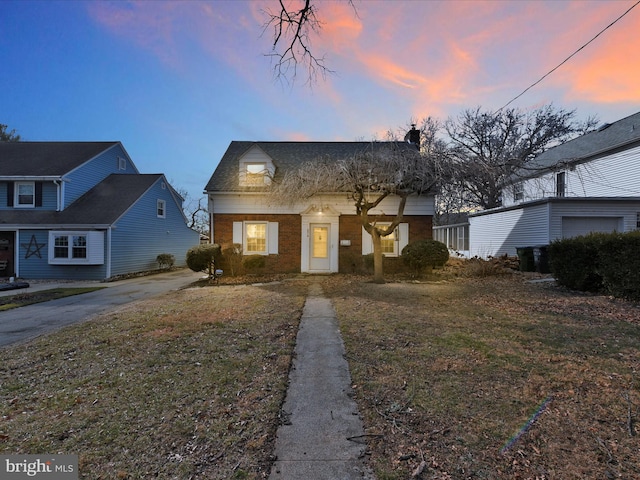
x=267, y=169
x=122, y=163
x=401, y=240
x=161, y=205
x=240, y=236
x=16, y=195
x=95, y=248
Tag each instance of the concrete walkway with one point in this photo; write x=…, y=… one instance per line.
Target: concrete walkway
x=322, y=434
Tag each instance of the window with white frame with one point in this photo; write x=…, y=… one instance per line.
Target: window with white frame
x=25, y=194
x=256, y=237
x=122, y=163
x=255, y=174
x=76, y=248
x=561, y=184
x=392, y=244
x=389, y=243
x=161, y=208
x=518, y=192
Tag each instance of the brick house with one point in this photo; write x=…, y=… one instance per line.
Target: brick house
x=321, y=235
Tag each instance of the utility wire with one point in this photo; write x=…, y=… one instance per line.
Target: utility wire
x=568, y=58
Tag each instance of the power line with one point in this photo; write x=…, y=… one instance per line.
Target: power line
x=568, y=58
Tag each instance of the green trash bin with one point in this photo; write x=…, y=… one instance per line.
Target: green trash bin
x=527, y=260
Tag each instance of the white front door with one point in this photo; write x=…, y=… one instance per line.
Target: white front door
x=320, y=247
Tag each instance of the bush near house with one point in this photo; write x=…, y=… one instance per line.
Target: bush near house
x=165, y=260
x=202, y=258
x=425, y=255
x=254, y=263
x=598, y=262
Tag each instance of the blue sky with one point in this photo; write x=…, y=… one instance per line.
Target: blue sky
x=176, y=82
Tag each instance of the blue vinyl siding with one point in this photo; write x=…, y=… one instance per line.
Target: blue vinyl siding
x=85, y=177
x=49, y=196
x=140, y=236
x=3, y=195
x=37, y=267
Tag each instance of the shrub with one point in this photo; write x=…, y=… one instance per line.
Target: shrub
x=202, y=258
x=425, y=255
x=619, y=265
x=574, y=262
x=479, y=267
x=165, y=260
x=253, y=263
x=232, y=258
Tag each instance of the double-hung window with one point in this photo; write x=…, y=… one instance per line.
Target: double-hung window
x=389, y=244
x=161, y=209
x=256, y=238
x=561, y=184
x=76, y=248
x=518, y=192
x=25, y=194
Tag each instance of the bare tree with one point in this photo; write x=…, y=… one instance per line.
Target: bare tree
x=385, y=169
x=196, y=213
x=487, y=148
x=293, y=26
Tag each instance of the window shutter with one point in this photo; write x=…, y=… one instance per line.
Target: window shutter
x=403, y=236
x=38, y=193
x=367, y=243
x=237, y=233
x=10, y=186
x=272, y=237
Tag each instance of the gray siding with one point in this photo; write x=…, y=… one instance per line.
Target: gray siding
x=139, y=236
x=502, y=232
x=627, y=209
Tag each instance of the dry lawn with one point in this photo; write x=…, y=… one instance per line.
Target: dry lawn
x=456, y=379
x=188, y=385
x=493, y=378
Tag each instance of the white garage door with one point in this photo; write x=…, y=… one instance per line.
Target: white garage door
x=574, y=226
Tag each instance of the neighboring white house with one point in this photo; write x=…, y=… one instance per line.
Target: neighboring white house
x=588, y=184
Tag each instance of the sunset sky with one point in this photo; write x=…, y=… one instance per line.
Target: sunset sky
x=176, y=81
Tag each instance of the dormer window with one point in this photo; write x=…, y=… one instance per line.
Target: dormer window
x=25, y=194
x=255, y=174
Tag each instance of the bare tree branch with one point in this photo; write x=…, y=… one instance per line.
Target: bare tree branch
x=293, y=29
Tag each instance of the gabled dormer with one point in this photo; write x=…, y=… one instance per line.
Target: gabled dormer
x=255, y=168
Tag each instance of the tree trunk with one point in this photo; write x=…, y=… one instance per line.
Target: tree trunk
x=378, y=274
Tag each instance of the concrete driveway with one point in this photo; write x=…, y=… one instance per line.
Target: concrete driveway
x=24, y=323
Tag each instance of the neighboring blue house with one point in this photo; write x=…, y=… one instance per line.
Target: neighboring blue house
x=82, y=210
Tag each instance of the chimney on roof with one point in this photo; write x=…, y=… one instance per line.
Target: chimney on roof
x=413, y=136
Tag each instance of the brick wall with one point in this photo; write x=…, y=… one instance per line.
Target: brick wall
x=290, y=234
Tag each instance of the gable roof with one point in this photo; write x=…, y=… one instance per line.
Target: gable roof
x=622, y=134
x=46, y=159
x=285, y=156
x=101, y=206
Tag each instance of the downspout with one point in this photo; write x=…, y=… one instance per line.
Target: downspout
x=16, y=253
x=58, y=194
x=108, y=252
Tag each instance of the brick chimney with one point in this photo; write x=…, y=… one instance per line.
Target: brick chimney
x=414, y=136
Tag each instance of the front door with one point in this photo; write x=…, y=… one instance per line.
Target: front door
x=319, y=247
x=6, y=254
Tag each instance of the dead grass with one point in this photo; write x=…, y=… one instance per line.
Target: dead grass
x=188, y=385
x=456, y=378
x=447, y=375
